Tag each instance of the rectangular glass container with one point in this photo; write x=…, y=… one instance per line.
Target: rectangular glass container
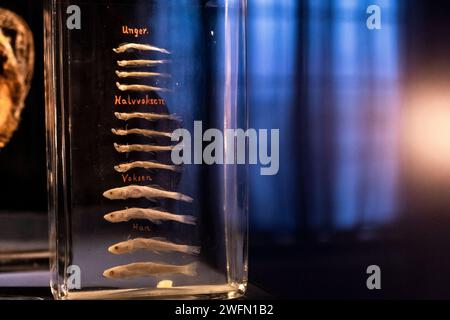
x=125, y=220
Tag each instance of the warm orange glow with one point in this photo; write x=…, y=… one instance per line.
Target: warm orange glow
x=428, y=129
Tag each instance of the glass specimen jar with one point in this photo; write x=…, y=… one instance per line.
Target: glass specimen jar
x=138, y=208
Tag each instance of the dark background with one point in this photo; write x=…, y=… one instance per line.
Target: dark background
x=360, y=183
x=22, y=162
x=356, y=186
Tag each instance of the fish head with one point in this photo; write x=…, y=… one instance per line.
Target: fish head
x=113, y=273
x=113, y=217
x=119, y=248
x=120, y=168
x=113, y=194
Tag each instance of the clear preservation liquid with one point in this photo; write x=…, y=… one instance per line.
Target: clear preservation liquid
x=121, y=77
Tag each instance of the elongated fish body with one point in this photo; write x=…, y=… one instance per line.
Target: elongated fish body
x=138, y=46
x=124, y=167
x=140, y=74
x=156, y=245
x=136, y=192
x=139, y=88
x=141, y=148
x=142, y=132
x=140, y=63
x=149, y=269
x=145, y=116
x=153, y=215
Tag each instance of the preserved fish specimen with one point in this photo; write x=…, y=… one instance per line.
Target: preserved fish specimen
x=149, y=269
x=154, y=244
x=139, y=87
x=150, y=193
x=141, y=148
x=146, y=116
x=140, y=63
x=137, y=46
x=153, y=215
x=142, y=132
x=141, y=74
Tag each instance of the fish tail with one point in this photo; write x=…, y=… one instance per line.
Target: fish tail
x=190, y=269
x=194, y=250
x=185, y=198
x=188, y=220
x=176, y=168
x=175, y=117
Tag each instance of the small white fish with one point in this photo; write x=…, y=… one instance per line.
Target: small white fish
x=138, y=46
x=140, y=63
x=124, y=167
x=139, y=88
x=145, y=116
x=149, y=269
x=142, y=132
x=155, y=244
x=141, y=148
x=137, y=74
x=150, y=193
x=153, y=215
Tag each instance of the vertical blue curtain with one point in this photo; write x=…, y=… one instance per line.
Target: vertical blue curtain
x=272, y=53
x=349, y=98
